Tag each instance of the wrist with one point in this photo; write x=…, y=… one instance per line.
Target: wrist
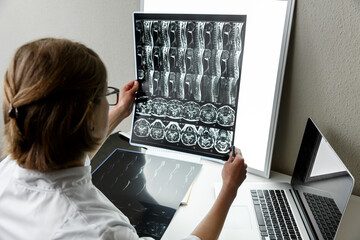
x=229, y=190
x=115, y=117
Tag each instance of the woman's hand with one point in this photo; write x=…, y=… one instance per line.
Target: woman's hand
x=233, y=173
x=125, y=105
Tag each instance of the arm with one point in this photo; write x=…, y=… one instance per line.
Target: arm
x=233, y=174
x=120, y=111
x=124, y=107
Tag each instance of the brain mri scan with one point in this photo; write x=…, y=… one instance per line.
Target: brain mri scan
x=143, y=107
x=206, y=137
x=142, y=128
x=191, y=111
x=159, y=107
x=208, y=113
x=189, y=135
x=172, y=132
x=157, y=130
x=222, y=140
x=225, y=116
x=175, y=109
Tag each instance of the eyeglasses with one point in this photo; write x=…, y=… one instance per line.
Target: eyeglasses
x=112, y=95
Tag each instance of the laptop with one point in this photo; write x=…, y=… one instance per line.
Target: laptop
x=310, y=207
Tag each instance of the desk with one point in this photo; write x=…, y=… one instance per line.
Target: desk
x=203, y=195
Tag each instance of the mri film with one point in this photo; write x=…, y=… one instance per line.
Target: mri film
x=189, y=70
x=148, y=189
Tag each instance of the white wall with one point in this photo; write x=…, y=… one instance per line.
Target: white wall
x=322, y=80
x=103, y=25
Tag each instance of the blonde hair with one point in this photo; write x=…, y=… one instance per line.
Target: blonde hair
x=48, y=90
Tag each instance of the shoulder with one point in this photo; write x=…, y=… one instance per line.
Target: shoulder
x=7, y=166
x=7, y=162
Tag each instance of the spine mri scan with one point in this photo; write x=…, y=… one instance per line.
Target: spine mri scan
x=189, y=75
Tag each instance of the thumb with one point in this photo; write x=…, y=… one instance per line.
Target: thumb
x=135, y=87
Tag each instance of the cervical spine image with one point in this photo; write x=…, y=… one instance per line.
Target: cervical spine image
x=189, y=74
x=190, y=60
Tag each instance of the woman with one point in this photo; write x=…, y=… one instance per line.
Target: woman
x=56, y=114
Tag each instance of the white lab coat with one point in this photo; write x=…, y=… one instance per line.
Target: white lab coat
x=62, y=204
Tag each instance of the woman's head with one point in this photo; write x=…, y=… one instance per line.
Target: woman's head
x=51, y=89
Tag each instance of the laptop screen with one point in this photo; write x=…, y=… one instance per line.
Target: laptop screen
x=322, y=183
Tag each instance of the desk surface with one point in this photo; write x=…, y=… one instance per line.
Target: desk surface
x=203, y=195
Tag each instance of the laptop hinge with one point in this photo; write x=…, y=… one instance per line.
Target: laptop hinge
x=301, y=209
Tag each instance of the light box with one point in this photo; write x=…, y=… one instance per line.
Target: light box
x=268, y=26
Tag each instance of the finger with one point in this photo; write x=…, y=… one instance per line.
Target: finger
x=129, y=86
x=135, y=86
x=239, y=161
x=230, y=159
x=231, y=152
x=238, y=151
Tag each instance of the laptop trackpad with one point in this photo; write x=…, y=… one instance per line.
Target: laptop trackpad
x=238, y=218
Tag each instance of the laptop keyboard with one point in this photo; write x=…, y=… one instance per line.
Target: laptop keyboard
x=326, y=214
x=274, y=215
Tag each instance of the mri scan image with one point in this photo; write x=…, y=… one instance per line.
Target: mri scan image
x=142, y=33
x=211, y=93
x=146, y=81
x=177, y=60
x=189, y=70
x=206, y=137
x=223, y=140
x=157, y=130
x=225, y=89
x=189, y=135
x=161, y=84
x=160, y=33
x=233, y=66
x=191, y=111
x=161, y=59
x=195, y=34
x=144, y=57
x=142, y=128
x=175, y=109
x=143, y=106
x=225, y=116
x=159, y=107
x=192, y=86
x=177, y=34
x=176, y=85
x=172, y=132
x=208, y=113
